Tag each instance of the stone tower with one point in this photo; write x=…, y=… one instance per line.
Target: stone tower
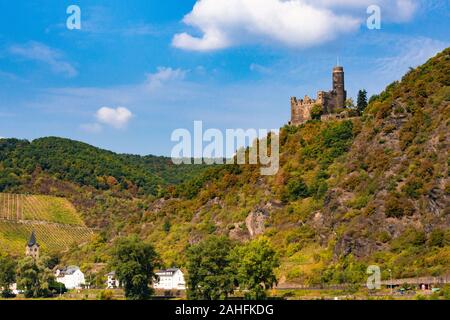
x=340, y=95
x=32, y=248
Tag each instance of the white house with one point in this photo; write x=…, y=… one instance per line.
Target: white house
x=71, y=277
x=14, y=289
x=112, y=282
x=170, y=279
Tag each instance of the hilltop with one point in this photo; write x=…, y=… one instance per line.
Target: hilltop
x=84, y=165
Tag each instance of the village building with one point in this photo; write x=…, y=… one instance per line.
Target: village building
x=71, y=277
x=112, y=282
x=32, y=247
x=170, y=279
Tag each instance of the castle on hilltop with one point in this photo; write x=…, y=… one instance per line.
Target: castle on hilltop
x=329, y=101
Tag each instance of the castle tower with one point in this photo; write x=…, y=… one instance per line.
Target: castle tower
x=340, y=95
x=32, y=248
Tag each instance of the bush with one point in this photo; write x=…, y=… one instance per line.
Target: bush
x=106, y=295
x=316, y=112
x=297, y=189
x=398, y=207
x=436, y=239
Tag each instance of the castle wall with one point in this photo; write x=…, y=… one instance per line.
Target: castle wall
x=301, y=110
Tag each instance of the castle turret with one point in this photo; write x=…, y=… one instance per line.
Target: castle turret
x=340, y=95
x=32, y=248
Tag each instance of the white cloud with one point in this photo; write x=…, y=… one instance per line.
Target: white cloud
x=117, y=118
x=410, y=53
x=36, y=51
x=91, y=127
x=294, y=23
x=229, y=22
x=163, y=75
x=259, y=68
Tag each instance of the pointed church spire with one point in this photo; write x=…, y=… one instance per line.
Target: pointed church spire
x=32, y=240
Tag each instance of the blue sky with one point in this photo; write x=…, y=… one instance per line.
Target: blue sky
x=139, y=69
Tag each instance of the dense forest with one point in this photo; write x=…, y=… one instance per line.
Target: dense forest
x=86, y=165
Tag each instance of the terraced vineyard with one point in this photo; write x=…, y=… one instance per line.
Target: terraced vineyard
x=55, y=221
x=40, y=208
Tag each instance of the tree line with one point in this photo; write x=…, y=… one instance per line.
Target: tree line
x=217, y=268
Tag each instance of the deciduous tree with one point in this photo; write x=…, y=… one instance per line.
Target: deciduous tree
x=255, y=263
x=210, y=276
x=7, y=275
x=134, y=262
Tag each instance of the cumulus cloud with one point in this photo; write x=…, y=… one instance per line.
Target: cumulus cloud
x=39, y=52
x=163, y=75
x=294, y=23
x=117, y=118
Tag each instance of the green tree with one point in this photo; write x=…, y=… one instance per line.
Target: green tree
x=316, y=112
x=34, y=277
x=255, y=263
x=296, y=189
x=210, y=276
x=134, y=262
x=361, y=103
x=7, y=275
x=349, y=103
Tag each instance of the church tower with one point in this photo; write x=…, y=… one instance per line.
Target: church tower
x=340, y=95
x=32, y=248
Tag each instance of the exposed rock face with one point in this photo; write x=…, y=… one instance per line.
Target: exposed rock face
x=157, y=205
x=255, y=222
x=238, y=233
x=357, y=246
x=347, y=245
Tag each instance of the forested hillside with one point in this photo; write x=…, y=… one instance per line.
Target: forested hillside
x=85, y=165
x=349, y=193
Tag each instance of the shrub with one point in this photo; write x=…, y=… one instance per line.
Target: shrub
x=412, y=188
x=316, y=112
x=436, y=239
x=398, y=207
x=106, y=295
x=297, y=189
